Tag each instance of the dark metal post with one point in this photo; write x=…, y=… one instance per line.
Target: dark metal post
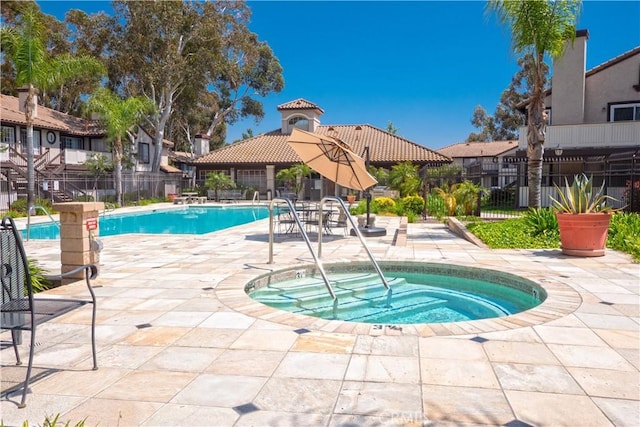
x=367, y=193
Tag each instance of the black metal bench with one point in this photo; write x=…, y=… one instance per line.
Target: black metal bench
x=19, y=309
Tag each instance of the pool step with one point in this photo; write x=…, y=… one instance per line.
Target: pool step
x=314, y=289
x=408, y=304
x=366, y=307
x=363, y=303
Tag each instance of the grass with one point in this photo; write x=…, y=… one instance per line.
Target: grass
x=535, y=231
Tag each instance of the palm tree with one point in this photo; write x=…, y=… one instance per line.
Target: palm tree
x=119, y=116
x=24, y=46
x=404, y=177
x=540, y=27
x=219, y=181
x=294, y=175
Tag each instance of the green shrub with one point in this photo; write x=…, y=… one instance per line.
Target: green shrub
x=54, y=422
x=411, y=217
x=435, y=206
x=624, y=234
x=383, y=205
x=84, y=198
x=541, y=221
x=359, y=208
x=14, y=214
x=38, y=279
x=20, y=205
x=413, y=204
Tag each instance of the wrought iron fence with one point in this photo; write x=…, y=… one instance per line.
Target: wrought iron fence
x=504, y=185
x=137, y=187
x=505, y=191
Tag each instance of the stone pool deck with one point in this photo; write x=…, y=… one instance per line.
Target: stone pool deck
x=179, y=343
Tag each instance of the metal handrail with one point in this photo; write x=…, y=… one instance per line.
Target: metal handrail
x=356, y=230
x=305, y=238
x=34, y=208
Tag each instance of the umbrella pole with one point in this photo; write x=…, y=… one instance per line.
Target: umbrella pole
x=367, y=230
x=367, y=194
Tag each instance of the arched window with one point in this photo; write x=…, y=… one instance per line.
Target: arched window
x=299, y=122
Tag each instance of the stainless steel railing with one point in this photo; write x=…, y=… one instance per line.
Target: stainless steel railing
x=34, y=209
x=356, y=230
x=305, y=237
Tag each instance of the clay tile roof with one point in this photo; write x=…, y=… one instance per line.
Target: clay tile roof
x=299, y=104
x=272, y=147
x=170, y=169
x=48, y=119
x=478, y=149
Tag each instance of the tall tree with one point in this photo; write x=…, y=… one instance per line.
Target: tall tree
x=391, y=128
x=119, y=116
x=24, y=46
x=188, y=49
x=483, y=121
x=541, y=27
x=506, y=121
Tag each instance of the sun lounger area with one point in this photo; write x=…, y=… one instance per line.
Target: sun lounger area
x=190, y=199
x=227, y=195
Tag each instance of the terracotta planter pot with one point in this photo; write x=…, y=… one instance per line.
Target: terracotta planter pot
x=351, y=198
x=583, y=234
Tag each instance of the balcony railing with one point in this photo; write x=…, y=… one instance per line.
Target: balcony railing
x=590, y=135
x=77, y=157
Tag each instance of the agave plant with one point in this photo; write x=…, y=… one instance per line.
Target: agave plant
x=580, y=197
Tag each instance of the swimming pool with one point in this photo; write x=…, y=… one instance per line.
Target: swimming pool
x=420, y=293
x=186, y=220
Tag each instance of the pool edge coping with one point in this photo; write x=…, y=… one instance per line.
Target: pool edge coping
x=561, y=301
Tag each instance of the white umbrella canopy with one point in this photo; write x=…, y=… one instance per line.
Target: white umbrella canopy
x=331, y=158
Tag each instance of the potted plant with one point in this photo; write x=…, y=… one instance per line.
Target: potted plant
x=351, y=197
x=583, y=217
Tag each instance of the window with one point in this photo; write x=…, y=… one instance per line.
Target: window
x=36, y=140
x=8, y=135
x=99, y=145
x=253, y=178
x=143, y=152
x=299, y=122
x=624, y=112
x=71, y=142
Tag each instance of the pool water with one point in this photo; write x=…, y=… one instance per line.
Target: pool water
x=187, y=220
x=415, y=297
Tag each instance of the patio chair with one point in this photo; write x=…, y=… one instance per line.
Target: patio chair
x=284, y=222
x=20, y=310
x=340, y=222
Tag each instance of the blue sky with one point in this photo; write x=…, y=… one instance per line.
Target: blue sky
x=423, y=65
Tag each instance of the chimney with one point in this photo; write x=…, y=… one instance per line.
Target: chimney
x=200, y=144
x=22, y=100
x=568, y=82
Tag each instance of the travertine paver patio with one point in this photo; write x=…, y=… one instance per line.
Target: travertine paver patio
x=181, y=344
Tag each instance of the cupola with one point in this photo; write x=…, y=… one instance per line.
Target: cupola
x=300, y=114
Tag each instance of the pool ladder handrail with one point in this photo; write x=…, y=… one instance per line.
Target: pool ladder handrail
x=355, y=229
x=35, y=208
x=305, y=237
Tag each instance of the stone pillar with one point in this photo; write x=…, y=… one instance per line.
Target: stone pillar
x=78, y=229
x=271, y=179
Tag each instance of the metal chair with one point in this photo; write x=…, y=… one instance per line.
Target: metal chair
x=20, y=310
x=340, y=222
